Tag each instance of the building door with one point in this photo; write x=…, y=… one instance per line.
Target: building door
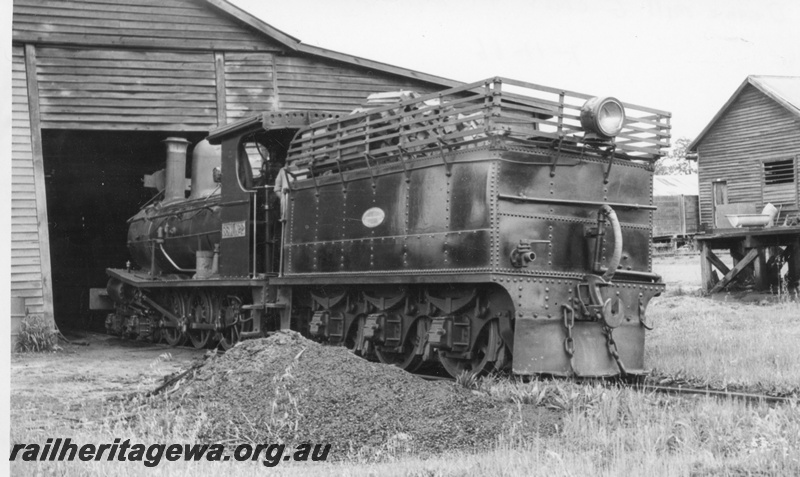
x=93, y=181
x=719, y=196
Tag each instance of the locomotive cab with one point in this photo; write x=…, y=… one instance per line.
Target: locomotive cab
x=254, y=154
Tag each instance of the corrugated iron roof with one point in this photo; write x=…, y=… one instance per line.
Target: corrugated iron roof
x=784, y=90
x=675, y=185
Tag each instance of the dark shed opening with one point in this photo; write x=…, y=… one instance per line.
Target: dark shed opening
x=94, y=183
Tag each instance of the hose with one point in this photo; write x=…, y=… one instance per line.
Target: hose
x=617, y=255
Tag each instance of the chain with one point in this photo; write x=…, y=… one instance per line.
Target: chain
x=569, y=342
x=612, y=349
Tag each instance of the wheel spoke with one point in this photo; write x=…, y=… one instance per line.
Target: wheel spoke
x=201, y=310
x=176, y=303
x=230, y=311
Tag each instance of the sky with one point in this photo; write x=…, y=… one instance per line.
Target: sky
x=683, y=56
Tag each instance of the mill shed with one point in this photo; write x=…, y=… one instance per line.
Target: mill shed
x=749, y=154
x=748, y=157
x=99, y=84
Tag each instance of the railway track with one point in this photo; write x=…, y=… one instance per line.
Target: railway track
x=434, y=374
x=734, y=395
x=673, y=390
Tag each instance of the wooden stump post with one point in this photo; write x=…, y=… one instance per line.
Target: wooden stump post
x=705, y=267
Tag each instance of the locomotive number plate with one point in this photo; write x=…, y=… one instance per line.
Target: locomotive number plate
x=233, y=229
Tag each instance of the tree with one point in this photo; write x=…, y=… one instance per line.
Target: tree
x=675, y=162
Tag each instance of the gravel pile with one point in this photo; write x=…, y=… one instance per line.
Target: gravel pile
x=285, y=388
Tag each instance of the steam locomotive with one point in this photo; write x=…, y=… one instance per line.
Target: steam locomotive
x=497, y=225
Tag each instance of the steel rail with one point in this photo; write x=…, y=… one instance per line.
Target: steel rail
x=672, y=390
x=717, y=393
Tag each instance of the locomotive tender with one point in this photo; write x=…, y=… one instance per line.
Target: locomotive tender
x=495, y=225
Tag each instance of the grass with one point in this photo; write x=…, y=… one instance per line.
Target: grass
x=601, y=431
x=726, y=345
x=36, y=335
x=597, y=431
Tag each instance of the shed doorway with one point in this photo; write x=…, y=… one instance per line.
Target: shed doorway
x=94, y=183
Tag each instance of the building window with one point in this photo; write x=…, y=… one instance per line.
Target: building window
x=780, y=182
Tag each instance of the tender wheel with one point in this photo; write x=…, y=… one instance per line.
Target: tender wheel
x=489, y=354
x=355, y=340
x=176, y=303
x=230, y=309
x=407, y=359
x=354, y=333
x=201, y=310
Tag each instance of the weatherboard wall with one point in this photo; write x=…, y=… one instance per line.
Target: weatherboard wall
x=30, y=262
x=152, y=65
x=152, y=24
x=753, y=129
x=309, y=83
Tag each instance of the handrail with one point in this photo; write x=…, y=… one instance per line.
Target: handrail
x=471, y=115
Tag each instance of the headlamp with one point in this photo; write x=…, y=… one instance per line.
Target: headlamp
x=602, y=118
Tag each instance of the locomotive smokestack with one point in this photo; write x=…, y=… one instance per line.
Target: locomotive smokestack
x=175, y=180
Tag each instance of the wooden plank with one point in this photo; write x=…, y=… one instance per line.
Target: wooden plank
x=746, y=260
x=248, y=57
x=126, y=11
x=112, y=40
x=189, y=64
x=243, y=68
x=27, y=253
x=172, y=127
x=219, y=63
x=27, y=292
x=22, y=195
x=127, y=103
x=139, y=80
x=35, y=287
x=714, y=260
x=126, y=55
x=50, y=111
x=141, y=33
x=17, y=236
x=26, y=263
x=95, y=118
x=39, y=181
x=125, y=15
x=68, y=73
x=130, y=88
x=24, y=227
x=23, y=220
x=34, y=246
x=25, y=211
x=19, y=179
x=249, y=106
x=18, y=276
x=86, y=95
x=261, y=82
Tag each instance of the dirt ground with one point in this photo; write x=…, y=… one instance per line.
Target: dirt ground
x=62, y=389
